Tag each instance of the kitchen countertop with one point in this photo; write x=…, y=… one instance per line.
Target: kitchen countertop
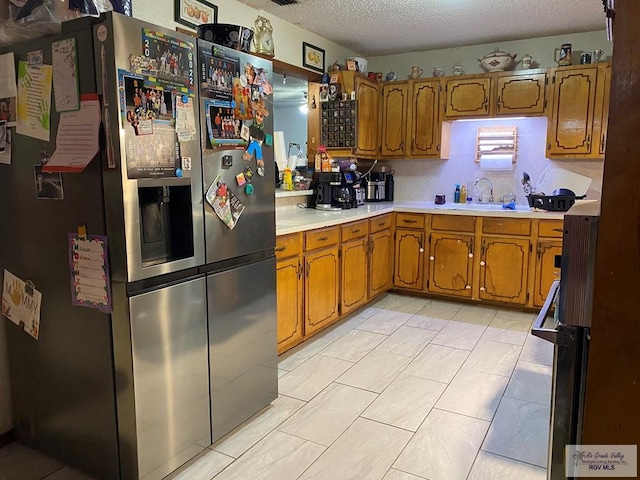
x=293, y=219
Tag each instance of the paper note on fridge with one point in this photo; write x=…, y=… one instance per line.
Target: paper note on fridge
x=34, y=100
x=77, y=137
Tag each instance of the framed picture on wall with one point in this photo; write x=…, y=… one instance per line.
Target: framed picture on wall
x=195, y=12
x=312, y=57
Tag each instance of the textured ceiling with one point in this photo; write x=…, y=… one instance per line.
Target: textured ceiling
x=382, y=27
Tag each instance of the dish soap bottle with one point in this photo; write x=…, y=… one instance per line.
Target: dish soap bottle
x=456, y=194
x=463, y=193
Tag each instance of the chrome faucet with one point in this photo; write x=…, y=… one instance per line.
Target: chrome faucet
x=475, y=184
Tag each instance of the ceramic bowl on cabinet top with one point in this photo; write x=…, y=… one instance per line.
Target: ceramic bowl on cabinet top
x=497, y=61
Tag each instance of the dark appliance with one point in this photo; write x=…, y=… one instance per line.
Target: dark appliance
x=227, y=35
x=327, y=185
x=568, y=328
x=389, y=186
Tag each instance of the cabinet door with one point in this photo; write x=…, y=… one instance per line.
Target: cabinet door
x=289, y=287
x=521, y=94
x=467, y=97
x=424, y=130
x=602, y=113
x=368, y=111
x=546, y=272
x=409, y=269
x=394, y=117
x=321, y=289
x=354, y=275
x=571, y=127
x=451, y=264
x=380, y=262
x=503, y=269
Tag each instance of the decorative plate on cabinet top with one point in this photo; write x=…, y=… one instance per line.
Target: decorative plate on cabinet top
x=497, y=61
x=392, y=76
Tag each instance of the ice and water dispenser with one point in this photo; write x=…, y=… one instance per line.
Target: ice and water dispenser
x=166, y=223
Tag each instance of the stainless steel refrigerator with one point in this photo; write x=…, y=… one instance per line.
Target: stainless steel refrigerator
x=565, y=321
x=239, y=221
x=121, y=393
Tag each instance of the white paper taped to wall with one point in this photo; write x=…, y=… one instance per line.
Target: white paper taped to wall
x=280, y=150
x=496, y=162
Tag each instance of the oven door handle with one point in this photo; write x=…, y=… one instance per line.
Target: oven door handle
x=553, y=335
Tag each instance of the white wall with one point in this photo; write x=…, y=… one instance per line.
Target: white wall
x=293, y=123
x=541, y=49
x=420, y=180
x=287, y=38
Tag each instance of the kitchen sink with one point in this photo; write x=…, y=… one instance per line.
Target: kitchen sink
x=481, y=207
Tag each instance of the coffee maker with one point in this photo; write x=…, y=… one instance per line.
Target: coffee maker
x=327, y=190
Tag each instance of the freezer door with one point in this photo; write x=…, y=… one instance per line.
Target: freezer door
x=170, y=376
x=242, y=343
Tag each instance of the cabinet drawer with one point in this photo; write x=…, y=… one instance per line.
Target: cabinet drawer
x=513, y=226
x=550, y=228
x=382, y=222
x=288, y=245
x=456, y=223
x=410, y=220
x=321, y=238
x=354, y=230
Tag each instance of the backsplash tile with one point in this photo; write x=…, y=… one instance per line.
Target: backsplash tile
x=420, y=180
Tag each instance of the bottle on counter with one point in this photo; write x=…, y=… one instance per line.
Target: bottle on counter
x=456, y=194
x=287, y=179
x=388, y=186
x=463, y=193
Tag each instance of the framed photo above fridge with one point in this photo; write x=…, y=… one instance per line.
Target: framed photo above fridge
x=195, y=12
x=312, y=57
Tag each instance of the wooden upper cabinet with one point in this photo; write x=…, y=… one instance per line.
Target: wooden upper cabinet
x=424, y=124
x=467, y=97
x=394, y=117
x=368, y=98
x=601, y=120
x=520, y=94
x=571, y=120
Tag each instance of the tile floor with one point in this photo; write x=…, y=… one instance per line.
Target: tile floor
x=404, y=389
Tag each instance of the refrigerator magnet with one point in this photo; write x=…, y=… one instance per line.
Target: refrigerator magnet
x=260, y=171
x=186, y=164
x=241, y=179
x=248, y=173
x=248, y=189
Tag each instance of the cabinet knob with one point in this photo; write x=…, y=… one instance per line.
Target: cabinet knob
x=482, y=289
x=421, y=250
x=471, y=255
x=432, y=258
x=482, y=264
x=468, y=287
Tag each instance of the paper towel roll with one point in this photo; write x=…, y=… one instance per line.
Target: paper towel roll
x=279, y=150
x=496, y=162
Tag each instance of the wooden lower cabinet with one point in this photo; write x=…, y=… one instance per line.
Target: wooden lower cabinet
x=289, y=286
x=504, y=263
x=546, y=272
x=380, y=262
x=451, y=264
x=409, y=259
x=354, y=275
x=322, y=288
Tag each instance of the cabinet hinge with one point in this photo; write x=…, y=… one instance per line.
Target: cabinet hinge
x=545, y=103
x=553, y=80
x=427, y=284
x=530, y=247
x=546, y=80
x=340, y=253
x=429, y=239
x=527, y=297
